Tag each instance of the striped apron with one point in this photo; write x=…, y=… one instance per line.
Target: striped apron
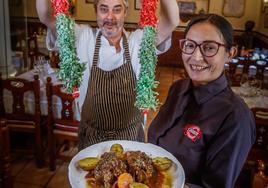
x=108, y=112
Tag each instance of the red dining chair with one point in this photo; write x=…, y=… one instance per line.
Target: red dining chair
x=19, y=120
x=259, y=151
x=61, y=130
x=6, y=180
x=261, y=119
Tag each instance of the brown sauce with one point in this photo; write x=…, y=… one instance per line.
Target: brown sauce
x=160, y=179
x=157, y=181
x=92, y=184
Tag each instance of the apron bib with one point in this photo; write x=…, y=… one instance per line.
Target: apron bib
x=108, y=112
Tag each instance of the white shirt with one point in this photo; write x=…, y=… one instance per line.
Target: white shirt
x=108, y=58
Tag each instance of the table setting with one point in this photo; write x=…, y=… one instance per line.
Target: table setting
x=259, y=99
x=44, y=70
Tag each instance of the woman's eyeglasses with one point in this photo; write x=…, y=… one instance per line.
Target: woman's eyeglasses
x=207, y=48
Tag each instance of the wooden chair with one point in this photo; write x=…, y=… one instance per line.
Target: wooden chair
x=238, y=71
x=231, y=75
x=260, y=179
x=236, y=79
x=259, y=152
x=246, y=176
x=60, y=129
x=261, y=119
x=5, y=166
x=19, y=120
x=260, y=149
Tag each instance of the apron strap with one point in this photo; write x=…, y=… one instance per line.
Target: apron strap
x=97, y=50
x=126, y=48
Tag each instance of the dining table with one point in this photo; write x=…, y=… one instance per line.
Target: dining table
x=28, y=98
x=258, y=100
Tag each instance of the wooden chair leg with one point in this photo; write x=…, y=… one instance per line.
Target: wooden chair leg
x=5, y=166
x=39, y=154
x=52, y=151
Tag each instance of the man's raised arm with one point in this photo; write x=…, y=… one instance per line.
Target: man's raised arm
x=44, y=12
x=168, y=20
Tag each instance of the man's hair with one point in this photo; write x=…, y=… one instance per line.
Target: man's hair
x=125, y=3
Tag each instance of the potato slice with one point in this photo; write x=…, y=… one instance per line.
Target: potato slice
x=162, y=163
x=88, y=163
x=137, y=185
x=117, y=149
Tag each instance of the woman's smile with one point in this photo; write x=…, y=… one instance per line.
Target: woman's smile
x=198, y=68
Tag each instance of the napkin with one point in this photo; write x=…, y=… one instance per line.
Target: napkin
x=49, y=69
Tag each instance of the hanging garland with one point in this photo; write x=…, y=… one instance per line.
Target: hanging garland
x=71, y=70
x=146, y=96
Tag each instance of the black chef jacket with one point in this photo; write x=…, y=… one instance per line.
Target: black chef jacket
x=208, y=129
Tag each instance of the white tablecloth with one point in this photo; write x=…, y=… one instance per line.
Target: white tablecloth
x=29, y=97
x=255, y=101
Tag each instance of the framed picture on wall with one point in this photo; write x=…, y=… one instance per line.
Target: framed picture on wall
x=89, y=1
x=234, y=8
x=265, y=21
x=15, y=3
x=264, y=6
x=137, y=4
x=187, y=7
x=73, y=8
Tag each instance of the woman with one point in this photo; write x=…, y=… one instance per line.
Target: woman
x=203, y=123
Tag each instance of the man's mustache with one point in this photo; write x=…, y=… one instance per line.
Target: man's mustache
x=109, y=23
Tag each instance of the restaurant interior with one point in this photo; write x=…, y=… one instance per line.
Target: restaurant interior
x=35, y=152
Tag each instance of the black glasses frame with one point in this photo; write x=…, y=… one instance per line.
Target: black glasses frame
x=181, y=41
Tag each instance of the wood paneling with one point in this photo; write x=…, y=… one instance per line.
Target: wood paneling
x=173, y=56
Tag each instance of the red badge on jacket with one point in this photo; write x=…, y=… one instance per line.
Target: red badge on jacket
x=76, y=92
x=192, y=131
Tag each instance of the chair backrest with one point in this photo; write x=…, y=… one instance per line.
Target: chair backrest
x=5, y=166
x=231, y=74
x=18, y=88
x=260, y=179
x=261, y=119
x=261, y=115
x=64, y=127
x=67, y=102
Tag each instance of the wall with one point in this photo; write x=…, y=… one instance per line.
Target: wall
x=252, y=9
x=261, y=22
x=85, y=12
x=252, y=12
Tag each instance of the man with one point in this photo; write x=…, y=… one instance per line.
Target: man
x=112, y=68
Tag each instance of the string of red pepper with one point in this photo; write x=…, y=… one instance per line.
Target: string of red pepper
x=71, y=70
x=146, y=96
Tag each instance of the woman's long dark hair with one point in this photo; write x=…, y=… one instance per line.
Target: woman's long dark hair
x=219, y=22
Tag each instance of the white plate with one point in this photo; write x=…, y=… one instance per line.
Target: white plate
x=77, y=176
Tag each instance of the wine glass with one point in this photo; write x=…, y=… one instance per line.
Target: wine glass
x=249, y=85
x=36, y=67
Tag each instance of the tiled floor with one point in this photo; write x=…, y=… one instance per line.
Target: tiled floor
x=26, y=174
